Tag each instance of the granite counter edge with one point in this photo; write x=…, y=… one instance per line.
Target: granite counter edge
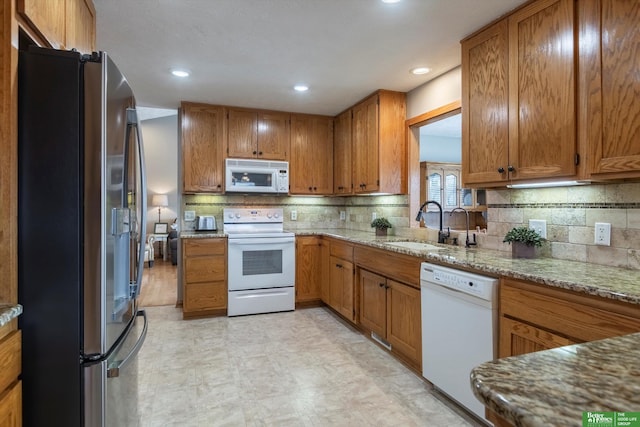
x=8, y=312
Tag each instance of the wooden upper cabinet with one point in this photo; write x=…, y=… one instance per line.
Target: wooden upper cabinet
x=81, y=25
x=379, y=144
x=255, y=134
x=542, y=69
x=611, y=114
x=485, y=105
x=342, y=147
x=518, y=97
x=311, y=167
x=203, y=139
x=62, y=24
x=47, y=18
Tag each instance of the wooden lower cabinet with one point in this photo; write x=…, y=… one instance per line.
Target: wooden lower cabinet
x=204, y=277
x=10, y=386
x=535, y=317
x=308, y=269
x=340, y=283
x=11, y=406
x=391, y=310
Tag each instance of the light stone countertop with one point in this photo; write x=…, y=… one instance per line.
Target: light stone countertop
x=553, y=387
x=202, y=234
x=9, y=312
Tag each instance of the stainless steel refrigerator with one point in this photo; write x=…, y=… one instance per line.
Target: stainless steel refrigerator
x=81, y=234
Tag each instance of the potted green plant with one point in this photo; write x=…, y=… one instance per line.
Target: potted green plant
x=524, y=241
x=381, y=224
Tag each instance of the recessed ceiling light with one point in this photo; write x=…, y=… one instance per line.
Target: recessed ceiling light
x=301, y=88
x=180, y=73
x=390, y=1
x=420, y=70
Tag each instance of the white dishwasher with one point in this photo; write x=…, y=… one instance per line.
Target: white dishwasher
x=459, y=326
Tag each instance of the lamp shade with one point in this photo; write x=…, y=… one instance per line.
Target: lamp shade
x=160, y=200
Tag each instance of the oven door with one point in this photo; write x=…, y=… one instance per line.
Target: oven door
x=261, y=262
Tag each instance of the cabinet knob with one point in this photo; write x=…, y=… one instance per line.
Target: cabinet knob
x=260, y=153
x=381, y=285
x=500, y=169
x=310, y=188
x=219, y=186
x=255, y=152
x=340, y=188
x=339, y=265
x=511, y=168
x=315, y=188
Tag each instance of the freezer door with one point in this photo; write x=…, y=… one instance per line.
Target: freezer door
x=111, y=387
x=113, y=202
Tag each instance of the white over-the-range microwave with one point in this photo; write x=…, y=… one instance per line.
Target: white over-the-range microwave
x=256, y=176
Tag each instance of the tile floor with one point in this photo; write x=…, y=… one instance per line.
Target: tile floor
x=301, y=368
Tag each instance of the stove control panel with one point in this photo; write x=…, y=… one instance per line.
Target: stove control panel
x=250, y=215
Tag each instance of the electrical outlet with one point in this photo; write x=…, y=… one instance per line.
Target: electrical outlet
x=540, y=226
x=343, y=215
x=189, y=215
x=374, y=216
x=294, y=215
x=602, y=234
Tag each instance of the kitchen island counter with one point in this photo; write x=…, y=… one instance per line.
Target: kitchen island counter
x=554, y=387
x=598, y=280
x=9, y=312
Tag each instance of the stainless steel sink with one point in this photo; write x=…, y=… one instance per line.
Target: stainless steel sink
x=415, y=246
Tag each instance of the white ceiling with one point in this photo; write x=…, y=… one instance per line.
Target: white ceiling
x=251, y=52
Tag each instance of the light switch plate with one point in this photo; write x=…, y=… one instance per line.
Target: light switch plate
x=189, y=215
x=539, y=225
x=602, y=235
x=294, y=215
x=343, y=215
x=374, y=216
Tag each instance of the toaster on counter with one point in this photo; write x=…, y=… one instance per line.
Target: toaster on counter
x=206, y=223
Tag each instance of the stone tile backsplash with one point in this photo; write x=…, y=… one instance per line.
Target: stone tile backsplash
x=570, y=213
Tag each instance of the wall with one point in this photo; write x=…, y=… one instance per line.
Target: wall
x=442, y=90
x=160, y=137
x=570, y=213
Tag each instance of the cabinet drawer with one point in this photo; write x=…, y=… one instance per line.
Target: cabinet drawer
x=10, y=357
x=575, y=316
x=198, y=247
x=400, y=267
x=340, y=250
x=205, y=296
x=205, y=269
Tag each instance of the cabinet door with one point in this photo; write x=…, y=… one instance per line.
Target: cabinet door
x=81, y=25
x=373, y=302
x=347, y=299
x=311, y=165
x=308, y=268
x=325, y=271
x=202, y=148
x=485, y=106
x=273, y=136
x=542, y=114
x=205, y=296
x=342, y=167
x=242, y=133
x=404, y=329
x=518, y=338
x=612, y=115
x=365, y=143
x=341, y=284
x=48, y=17
x=11, y=407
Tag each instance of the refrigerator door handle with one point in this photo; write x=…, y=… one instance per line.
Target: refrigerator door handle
x=132, y=120
x=113, y=371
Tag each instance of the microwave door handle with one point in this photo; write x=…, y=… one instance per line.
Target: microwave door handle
x=133, y=121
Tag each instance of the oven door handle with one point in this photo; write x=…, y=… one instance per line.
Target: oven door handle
x=261, y=241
